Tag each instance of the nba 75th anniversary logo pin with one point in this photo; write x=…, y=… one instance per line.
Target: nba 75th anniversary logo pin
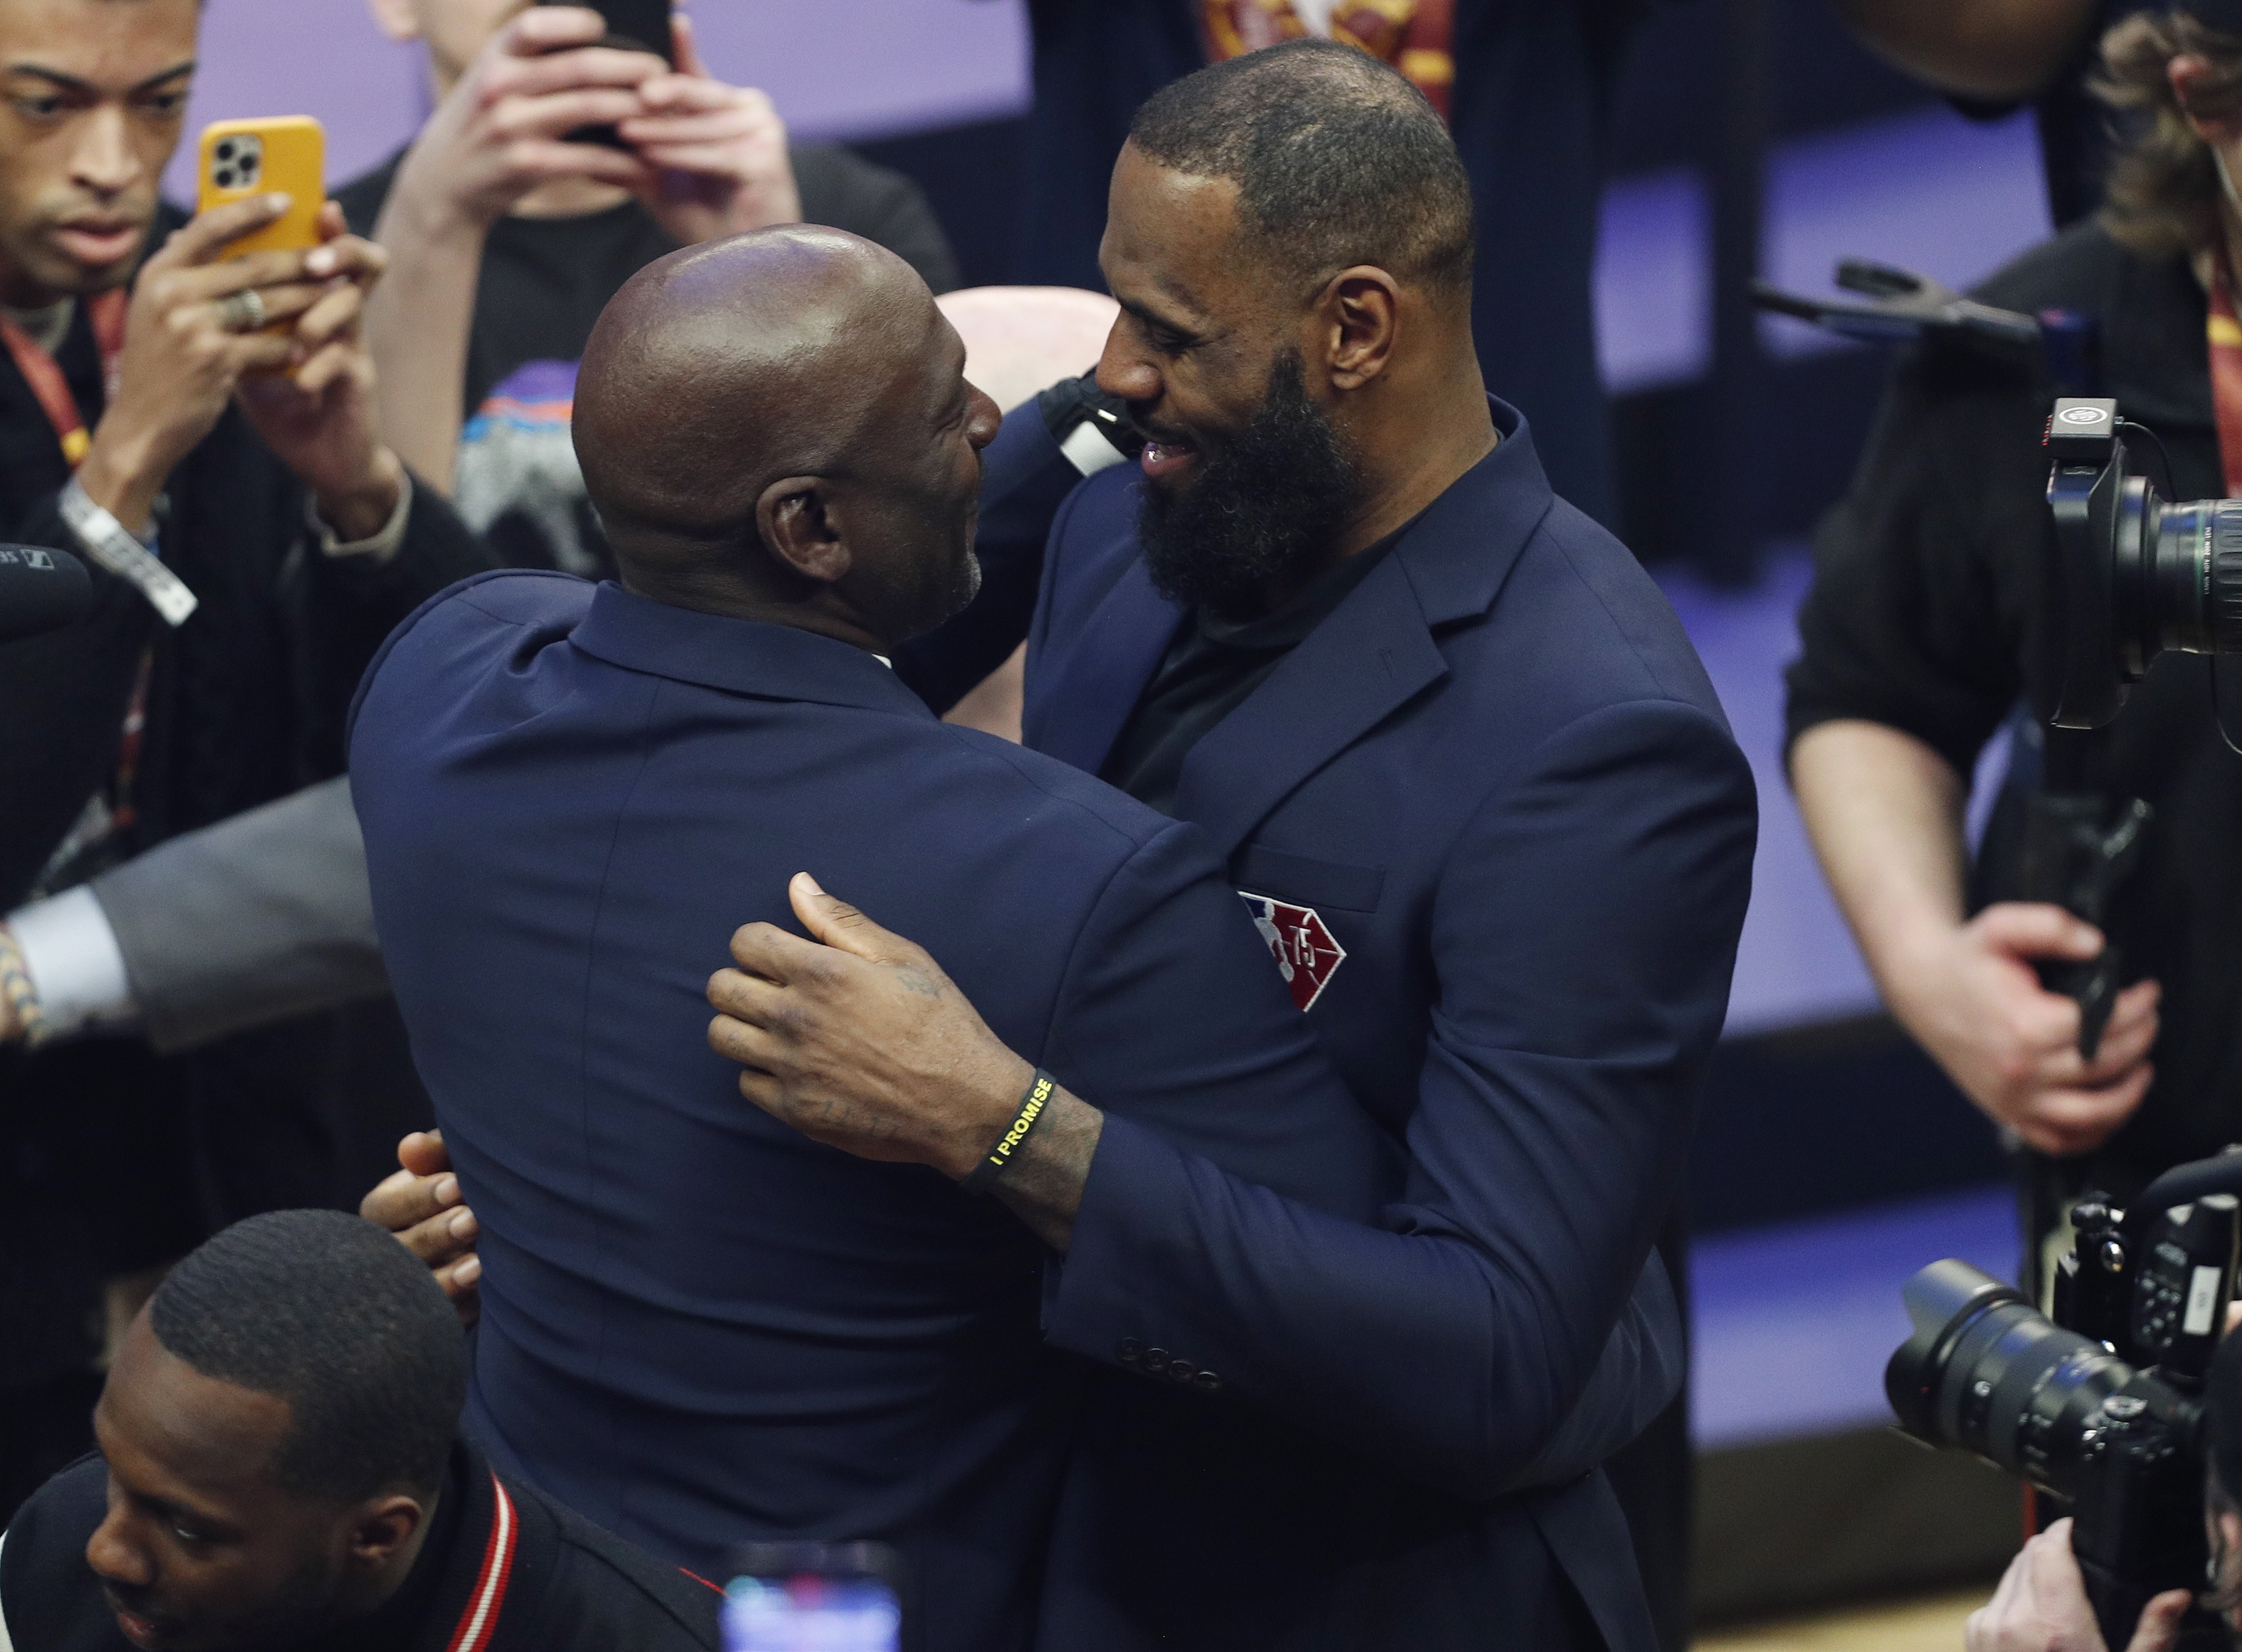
x=1305, y=951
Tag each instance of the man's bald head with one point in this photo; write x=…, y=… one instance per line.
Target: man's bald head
x=719, y=368
x=740, y=399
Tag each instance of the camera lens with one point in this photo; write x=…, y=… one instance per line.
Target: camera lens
x=1988, y=1373
x=2193, y=577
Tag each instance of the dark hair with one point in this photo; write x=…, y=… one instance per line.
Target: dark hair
x=1337, y=159
x=331, y=1314
x=2162, y=195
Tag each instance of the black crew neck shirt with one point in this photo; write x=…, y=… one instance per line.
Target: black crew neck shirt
x=1211, y=669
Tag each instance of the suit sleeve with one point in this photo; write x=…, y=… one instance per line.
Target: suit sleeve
x=343, y=609
x=1024, y=480
x=257, y=918
x=1584, y=935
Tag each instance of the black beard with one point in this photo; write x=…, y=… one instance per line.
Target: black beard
x=1264, y=511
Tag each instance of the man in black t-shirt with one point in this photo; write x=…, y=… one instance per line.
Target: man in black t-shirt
x=506, y=239
x=1931, y=620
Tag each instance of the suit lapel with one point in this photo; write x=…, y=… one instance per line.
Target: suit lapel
x=1371, y=655
x=1376, y=651
x=1107, y=670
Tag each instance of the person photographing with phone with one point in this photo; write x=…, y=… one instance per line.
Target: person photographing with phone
x=570, y=147
x=202, y=428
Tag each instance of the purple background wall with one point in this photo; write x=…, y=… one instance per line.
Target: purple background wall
x=836, y=68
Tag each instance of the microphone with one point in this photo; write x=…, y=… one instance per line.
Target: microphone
x=41, y=590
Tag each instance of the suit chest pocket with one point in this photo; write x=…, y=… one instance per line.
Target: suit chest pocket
x=1295, y=900
x=1303, y=880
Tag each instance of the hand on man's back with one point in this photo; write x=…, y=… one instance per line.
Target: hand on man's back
x=421, y=1205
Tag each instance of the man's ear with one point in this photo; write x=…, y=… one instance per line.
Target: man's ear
x=395, y=18
x=794, y=518
x=381, y=1528
x=1356, y=318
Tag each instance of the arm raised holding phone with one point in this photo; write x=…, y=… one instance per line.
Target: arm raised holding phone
x=509, y=137
x=185, y=354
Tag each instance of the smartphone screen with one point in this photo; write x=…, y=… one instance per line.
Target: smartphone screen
x=812, y=1612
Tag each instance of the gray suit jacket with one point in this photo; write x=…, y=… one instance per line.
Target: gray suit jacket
x=259, y=917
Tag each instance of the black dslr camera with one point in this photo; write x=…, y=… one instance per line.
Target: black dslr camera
x=2101, y=1407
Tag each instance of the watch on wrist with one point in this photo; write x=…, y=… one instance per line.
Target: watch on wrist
x=108, y=542
x=17, y=991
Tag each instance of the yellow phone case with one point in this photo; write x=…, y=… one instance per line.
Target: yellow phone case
x=286, y=153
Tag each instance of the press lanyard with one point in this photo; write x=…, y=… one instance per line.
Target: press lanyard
x=2224, y=336
x=106, y=312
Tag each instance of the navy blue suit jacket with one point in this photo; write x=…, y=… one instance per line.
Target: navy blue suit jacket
x=1500, y=779
x=699, y=1326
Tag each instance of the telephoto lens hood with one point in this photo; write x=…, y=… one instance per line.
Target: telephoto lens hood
x=1988, y=1373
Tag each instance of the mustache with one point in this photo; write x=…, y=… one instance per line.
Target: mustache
x=137, y=1603
x=1151, y=429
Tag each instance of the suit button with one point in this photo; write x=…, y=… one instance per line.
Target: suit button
x=1131, y=1350
x=1156, y=1360
x=1182, y=1372
x=1207, y=1382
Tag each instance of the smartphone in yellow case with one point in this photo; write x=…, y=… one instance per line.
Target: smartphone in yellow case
x=283, y=153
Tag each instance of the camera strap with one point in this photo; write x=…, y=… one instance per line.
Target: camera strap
x=2222, y=333
x=106, y=312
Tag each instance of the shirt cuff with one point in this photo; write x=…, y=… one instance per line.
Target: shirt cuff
x=382, y=546
x=70, y=954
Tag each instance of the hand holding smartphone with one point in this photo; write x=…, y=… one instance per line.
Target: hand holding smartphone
x=632, y=25
x=283, y=154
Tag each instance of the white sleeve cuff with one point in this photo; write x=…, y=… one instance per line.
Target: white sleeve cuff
x=70, y=953
x=382, y=546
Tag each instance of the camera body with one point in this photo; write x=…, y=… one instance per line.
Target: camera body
x=2100, y=1407
x=2136, y=1517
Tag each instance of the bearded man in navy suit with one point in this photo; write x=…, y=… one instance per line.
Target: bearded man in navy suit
x=1481, y=801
